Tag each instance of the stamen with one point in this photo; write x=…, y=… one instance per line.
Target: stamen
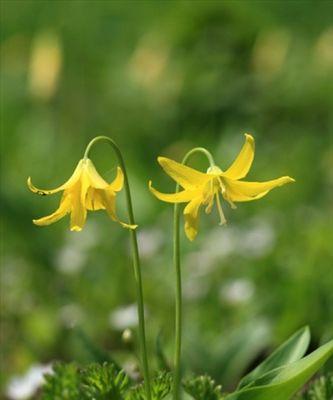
x=220, y=211
x=232, y=204
x=225, y=194
x=222, y=187
x=209, y=207
x=208, y=192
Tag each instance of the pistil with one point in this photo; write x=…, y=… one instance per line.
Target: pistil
x=220, y=211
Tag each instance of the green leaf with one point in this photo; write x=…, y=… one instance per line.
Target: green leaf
x=284, y=382
x=291, y=350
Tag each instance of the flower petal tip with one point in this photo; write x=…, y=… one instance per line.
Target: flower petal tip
x=162, y=160
x=190, y=237
x=249, y=137
x=31, y=186
x=288, y=179
x=128, y=226
x=34, y=189
x=76, y=228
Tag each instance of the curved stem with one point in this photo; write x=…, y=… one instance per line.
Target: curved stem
x=136, y=260
x=177, y=266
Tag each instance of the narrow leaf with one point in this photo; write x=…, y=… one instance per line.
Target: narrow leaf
x=284, y=382
x=291, y=350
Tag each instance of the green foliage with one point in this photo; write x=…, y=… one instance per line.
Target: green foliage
x=63, y=384
x=160, y=387
x=104, y=382
x=203, y=388
x=319, y=389
x=283, y=382
x=279, y=377
x=99, y=382
x=291, y=350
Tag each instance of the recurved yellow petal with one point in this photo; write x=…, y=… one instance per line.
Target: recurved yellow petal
x=94, y=177
x=206, y=188
x=247, y=191
x=187, y=177
x=242, y=164
x=78, y=195
x=109, y=201
x=63, y=209
x=85, y=190
x=71, y=181
x=180, y=197
x=117, y=184
x=101, y=199
x=191, y=215
x=93, y=200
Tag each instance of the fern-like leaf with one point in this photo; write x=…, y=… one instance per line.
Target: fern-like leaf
x=203, y=388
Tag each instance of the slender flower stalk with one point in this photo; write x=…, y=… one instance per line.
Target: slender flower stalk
x=204, y=189
x=87, y=190
x=178, y=272
x=136, y=260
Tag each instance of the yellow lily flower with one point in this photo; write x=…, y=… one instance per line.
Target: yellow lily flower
x=205, y=188
x=84, y=190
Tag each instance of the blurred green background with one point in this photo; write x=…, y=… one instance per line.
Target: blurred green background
x=161, y=77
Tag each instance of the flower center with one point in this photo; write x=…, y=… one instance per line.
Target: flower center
x=214, y=170
x=213, y=191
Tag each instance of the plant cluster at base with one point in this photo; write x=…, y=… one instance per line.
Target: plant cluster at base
x=106, y=382
x=279, y=377
x=99, y=382
x=203, y=388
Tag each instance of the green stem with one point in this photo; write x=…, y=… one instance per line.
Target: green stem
x=136, y=260
x=177, y=266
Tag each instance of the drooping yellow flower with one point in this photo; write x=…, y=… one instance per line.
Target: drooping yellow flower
x=84, y=190
x=205, y=188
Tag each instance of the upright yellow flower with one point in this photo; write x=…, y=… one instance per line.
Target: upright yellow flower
x=84, y=190
x=203, y=188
